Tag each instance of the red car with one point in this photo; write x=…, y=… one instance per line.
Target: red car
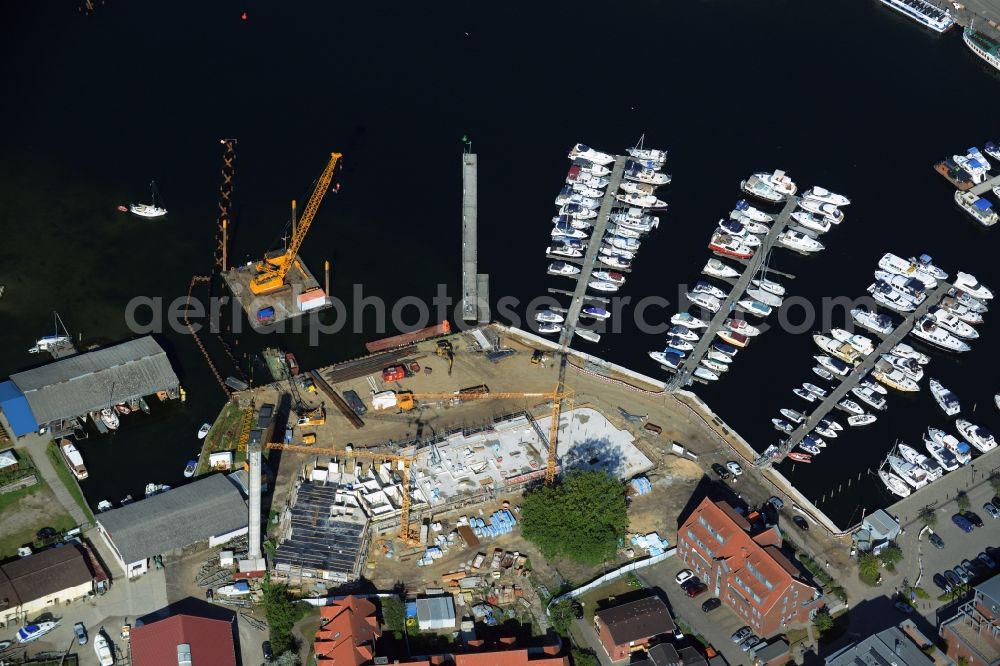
x=696, y=589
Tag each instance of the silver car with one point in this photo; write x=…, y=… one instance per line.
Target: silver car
x=962, y=574
x=749, y=644
x=741, y=634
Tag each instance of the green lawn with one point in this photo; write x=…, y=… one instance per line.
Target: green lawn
x=224, y=436
x=12, y=538
x=69, y=480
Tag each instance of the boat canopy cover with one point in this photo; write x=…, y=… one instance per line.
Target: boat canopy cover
x=926, y=258
x=976, y=164
x=742, y=204
x=963, y=447
x=983, y=205
x=15, y=407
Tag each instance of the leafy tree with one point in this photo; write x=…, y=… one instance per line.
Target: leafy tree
x=868, y=569
x=583, y=658
x=285, y=659
x=281, y=615
x=963, y=661
x=890, y=557
x=560, y=613
x=582, y=518
x=823, y=622
x=394, y=615
x=633, y=581
x=963, y=501
x=995, y=482
x=928, y=516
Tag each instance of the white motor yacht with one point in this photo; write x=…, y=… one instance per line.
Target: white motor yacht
x=110, y=418
x=744, y=208
x=759, y=189
x=863, y=344
x=834, y=365
x=873, y=385
x=641, y=200
x=720, y=356
x=941, y=454
x=885, y=295
x=657, y=157
x=925, y=329
x=870, y=397
x=623, y=231
x=782, y=425
x=632, y=187
x=874, y=322
x=968, y=283
x=705, y=287
x=812, y=221
x=729, y=245
x=612, y=261
x=710, y=303
x=779, y=181
x=587, y=334
x=907, y=471
x=714, y=366
x=894, y=484
x=816, y=390
x=891, y=263
x=850, y=407
x=560, y=233
x=688, y=320
x=587, y=191
x=841, y=350
x=904, y=350
x=859, y=420
x=893, y=377
x=828, y=211
x=973, y=163
x=548, y=329
x=568, y=196
x=978, y=208
x=751, y=225
x=563, y=268
x=808, y=396
x=585, y=152
x=795, y=240
x=826, y=196
x=925, y=264
x=968, y=300
x=577, y=211
x=702, y=372
x=823, y=373
x=951, y=323
x=589, y=179
x=741, y=326
x=792, y=415
x=549, y=316
x=754, y=307
x=945, y=399
x=639, y=173
x=609, y=276
x=765, y=297
x=630, y=244
x=907, y=366
x=978, y=436
x=961, y=450
x=564, y=251
x=683, y=332
x=914, y=457
x=961, y=311
x=720, y=269
x=600, y=285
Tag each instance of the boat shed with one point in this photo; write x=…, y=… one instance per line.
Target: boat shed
x=436, y=613
x=210, y=509
x=44, y=579
x=58, y=393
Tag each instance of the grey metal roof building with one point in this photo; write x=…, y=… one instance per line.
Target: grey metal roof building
x=323, y=538
x=209, y=507
x=436, y=613
x=90, y=381
x=890, y=646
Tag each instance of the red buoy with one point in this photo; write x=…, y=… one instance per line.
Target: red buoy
x=244, y=16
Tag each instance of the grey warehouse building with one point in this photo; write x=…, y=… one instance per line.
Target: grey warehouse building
x=210, y=509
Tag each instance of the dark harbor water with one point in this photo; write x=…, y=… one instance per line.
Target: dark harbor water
x=847, y=95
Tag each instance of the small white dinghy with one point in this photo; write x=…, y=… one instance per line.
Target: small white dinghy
x=203, y=430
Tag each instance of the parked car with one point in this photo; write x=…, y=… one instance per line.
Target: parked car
x=720, y=470
x=711, y=605
x=962, y=574
x=683, y=576
x=952, y=578
x=800, y=523
x=695, y=590
x=776, y=502
x=81, y=633
x=962, y=522
x=577, y=610
x=988, y=561
x=749, y=643
x=734, y=467
x=936, y=540
x=266, y=649
x=741, y=634
x=942, y=582
x=45, y=533
x=991, y=510
x=974, y=568
x=904, y=607
x=973, y=518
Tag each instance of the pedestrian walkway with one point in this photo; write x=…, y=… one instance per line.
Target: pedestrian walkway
x=36, y=446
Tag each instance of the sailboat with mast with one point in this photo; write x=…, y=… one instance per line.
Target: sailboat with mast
x=149, y=210
x=54, y=342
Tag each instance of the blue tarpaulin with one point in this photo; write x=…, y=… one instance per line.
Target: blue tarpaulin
x=983, y=204
x=15, y=408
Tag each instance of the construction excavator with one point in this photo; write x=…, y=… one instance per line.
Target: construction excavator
x=445, y=350
x=273, y=269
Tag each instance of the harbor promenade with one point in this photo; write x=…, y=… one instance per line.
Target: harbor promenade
x=685, y=373
x=861, y=370
x=593, y=249
x=470, y=194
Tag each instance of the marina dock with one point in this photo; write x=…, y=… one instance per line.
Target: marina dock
x=470, y=195
x=985, y=186
x=861, y=370
x=685, y=374
x=593, y=249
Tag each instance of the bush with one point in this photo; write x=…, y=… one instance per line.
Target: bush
x=583, y=517
x=561, y=616
x=921, y=593
x=633, y=581
x=928, y=516
x=281, y=613
x=394, y=615
x=583, y=658
x=890, y=557
x=869, y=569
x=963, y=501
x=823, y=622
x=995, y=482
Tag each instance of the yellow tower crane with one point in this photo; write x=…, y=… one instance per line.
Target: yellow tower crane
x=272, y=270
x=402, y=464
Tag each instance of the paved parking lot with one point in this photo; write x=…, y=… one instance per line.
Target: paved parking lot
x=716, y=626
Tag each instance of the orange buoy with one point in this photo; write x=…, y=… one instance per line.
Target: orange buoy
x=244, y=16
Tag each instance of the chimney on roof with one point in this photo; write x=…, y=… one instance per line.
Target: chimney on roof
x=184, y=654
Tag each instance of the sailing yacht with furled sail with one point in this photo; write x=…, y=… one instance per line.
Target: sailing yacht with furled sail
x=149, y=210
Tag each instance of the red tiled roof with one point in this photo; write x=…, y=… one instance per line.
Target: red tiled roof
x=156, y=644
x=346, y=639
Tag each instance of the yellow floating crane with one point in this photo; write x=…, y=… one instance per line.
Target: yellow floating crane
x=272, y=270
